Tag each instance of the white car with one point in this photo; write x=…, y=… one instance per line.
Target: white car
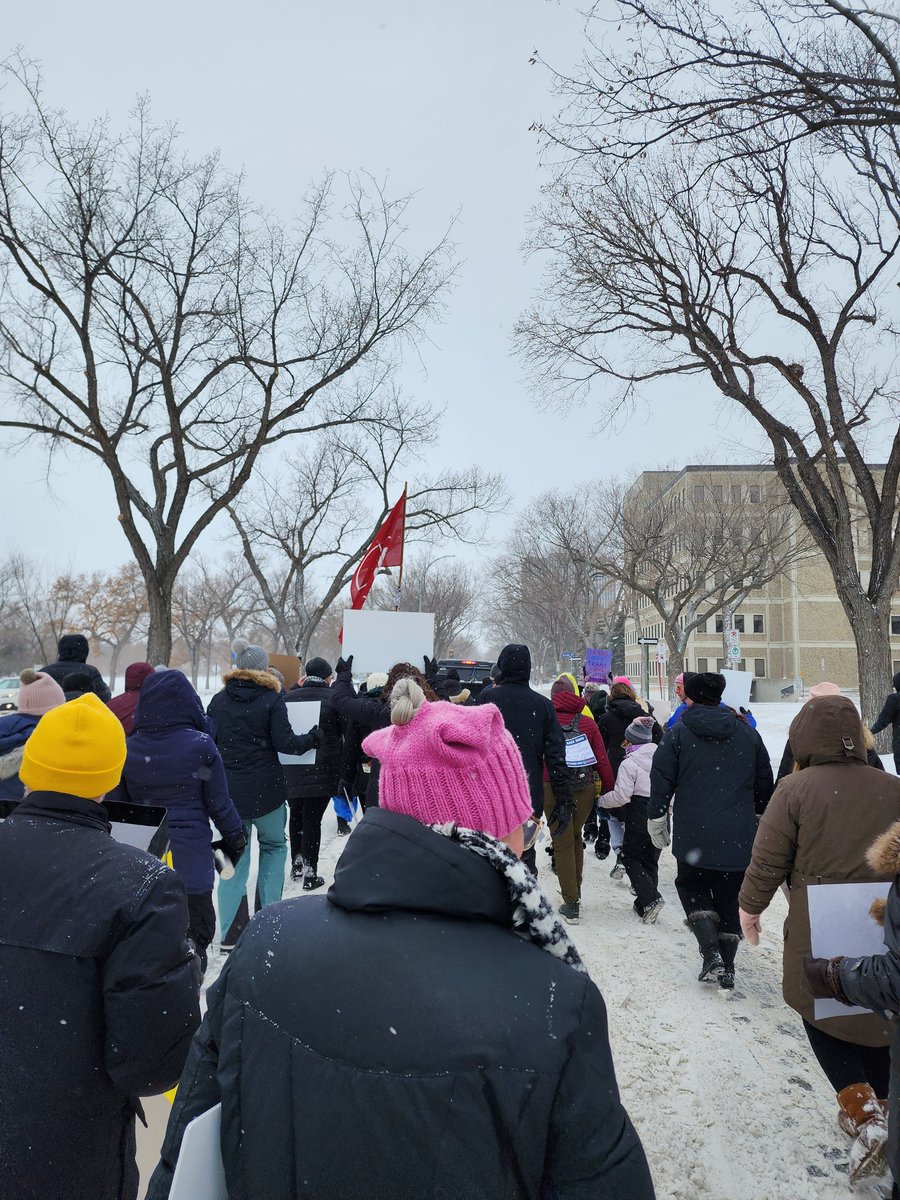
x=9, y=693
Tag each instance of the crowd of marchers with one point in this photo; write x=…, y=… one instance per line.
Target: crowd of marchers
x=433, y=999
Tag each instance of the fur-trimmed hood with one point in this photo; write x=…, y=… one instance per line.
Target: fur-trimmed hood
x=884, y=853
x=260, y=678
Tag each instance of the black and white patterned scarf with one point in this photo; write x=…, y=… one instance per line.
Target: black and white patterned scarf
x=532, y=913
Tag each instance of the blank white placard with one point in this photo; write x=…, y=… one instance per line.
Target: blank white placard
x=840, y=923
x=199, y=1173
x=737, y=689
x=302, y=716
x=377, y=640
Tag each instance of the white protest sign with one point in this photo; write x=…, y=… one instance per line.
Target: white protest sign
x=840, y=923
x=579, y=752
x=302, y=714
x=199, y=1173
x=377, y=640
x=737, y=689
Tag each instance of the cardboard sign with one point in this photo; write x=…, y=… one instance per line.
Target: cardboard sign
x=199, y=1173
x=378, y=640
x=737, y=689
x=597, y=665
x=288, y=665
x=302, y=717
x=840, y=923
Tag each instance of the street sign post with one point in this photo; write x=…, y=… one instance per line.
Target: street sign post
x=647, y=642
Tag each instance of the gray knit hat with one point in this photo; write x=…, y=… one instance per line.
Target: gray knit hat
x=640, y=730
x=249, y=658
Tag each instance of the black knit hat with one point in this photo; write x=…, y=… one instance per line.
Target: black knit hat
x=706, y=687
x=320, y=667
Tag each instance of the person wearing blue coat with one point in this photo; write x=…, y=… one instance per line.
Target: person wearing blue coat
x=173, y=762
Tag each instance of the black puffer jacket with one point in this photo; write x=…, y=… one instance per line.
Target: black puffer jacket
x=321, y=778
x=890, y=715
x=71, y=654
x=718, y=769
x=531, y=719
x=367, y=713
x=98, y=998
x=613, y=723
x=252, y=726
x=471, y=1063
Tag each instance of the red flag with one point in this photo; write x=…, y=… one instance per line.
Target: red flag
x=386, y=550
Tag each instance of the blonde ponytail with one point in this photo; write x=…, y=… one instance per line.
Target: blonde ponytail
x=406, y=700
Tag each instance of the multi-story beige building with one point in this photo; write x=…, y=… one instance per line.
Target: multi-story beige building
x=792, y=629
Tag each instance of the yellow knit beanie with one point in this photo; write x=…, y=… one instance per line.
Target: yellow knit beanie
x=78, y=749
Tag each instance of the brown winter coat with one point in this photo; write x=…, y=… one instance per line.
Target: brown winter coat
x=818, y=828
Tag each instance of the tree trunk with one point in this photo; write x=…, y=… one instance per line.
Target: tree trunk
x=114, y=665
x=674, y=668
x=159, y=633
x=196, y=650
x=873, y=656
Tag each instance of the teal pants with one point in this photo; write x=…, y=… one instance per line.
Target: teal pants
x=272, y=858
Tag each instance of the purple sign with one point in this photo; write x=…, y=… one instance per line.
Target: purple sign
x=597, y=665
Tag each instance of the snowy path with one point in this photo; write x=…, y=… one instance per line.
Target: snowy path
x=724, y=1090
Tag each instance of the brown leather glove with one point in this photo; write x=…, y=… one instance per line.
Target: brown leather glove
x=823, y=978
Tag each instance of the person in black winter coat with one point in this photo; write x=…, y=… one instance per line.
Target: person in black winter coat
x=621, y=709
x=474, y=1050
x=718, y=769
x=890, y=715
x=98, y=985
x=252, y=728
x=311, y=787
x=71, y=655
x=531, y=719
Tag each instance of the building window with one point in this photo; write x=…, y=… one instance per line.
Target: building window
x=758, y=623
x=759, y=668
x=720, y=625
x=702, y=665
x=735, y=493
x=717, y=492
x=699, y=493
x=739, y=622
x=720, y=663
x=895, y=626
x=753, y=493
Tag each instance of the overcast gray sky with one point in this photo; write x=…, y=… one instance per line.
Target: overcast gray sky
x=439, y=98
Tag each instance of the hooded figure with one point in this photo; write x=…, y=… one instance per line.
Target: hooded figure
x=71, y=656
x=818, y=828
x=124, y=704
x=531, y=719
x=890, y=715
x=432, y=989
x=172, y=761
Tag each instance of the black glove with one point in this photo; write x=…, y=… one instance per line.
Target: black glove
x=343, y=664
x=559, y=818
x=317, y=736
x=233, y=846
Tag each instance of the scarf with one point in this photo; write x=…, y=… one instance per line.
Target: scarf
x=532, y=913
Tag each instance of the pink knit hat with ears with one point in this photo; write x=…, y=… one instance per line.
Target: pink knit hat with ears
x=453, y=764
x=38, y=693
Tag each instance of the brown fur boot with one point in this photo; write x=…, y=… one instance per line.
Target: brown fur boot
x=861, y=1107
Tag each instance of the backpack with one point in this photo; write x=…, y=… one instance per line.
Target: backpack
x=580, y=758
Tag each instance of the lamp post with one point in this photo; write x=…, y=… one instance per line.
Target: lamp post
x=425, y=571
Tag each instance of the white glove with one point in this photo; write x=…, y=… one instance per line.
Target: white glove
x=751, y=925
x=658, y=828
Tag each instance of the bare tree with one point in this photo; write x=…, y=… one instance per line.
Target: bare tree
x=446, y=589
x=45, y=605
x=685, y=562
x=113, y=610
x=152, y=318
x=304, y=538
x=721, y=216
x=196, y=606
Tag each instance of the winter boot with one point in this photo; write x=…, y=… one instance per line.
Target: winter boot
x=652, y=911
x=728, y=944
x=618, y=871
x=705, y=926
x=601, y=846
x=859, y=1104
x=343, y=827
x=570, y=913
x=311, y=880
x=589, y=832
x=298, y=868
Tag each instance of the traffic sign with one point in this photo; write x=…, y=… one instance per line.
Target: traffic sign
x=648, y=641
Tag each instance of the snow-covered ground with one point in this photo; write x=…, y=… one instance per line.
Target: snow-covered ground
x=723, y=1088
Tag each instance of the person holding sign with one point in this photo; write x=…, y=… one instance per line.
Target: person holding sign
x=817, y=829
x=585, y=757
